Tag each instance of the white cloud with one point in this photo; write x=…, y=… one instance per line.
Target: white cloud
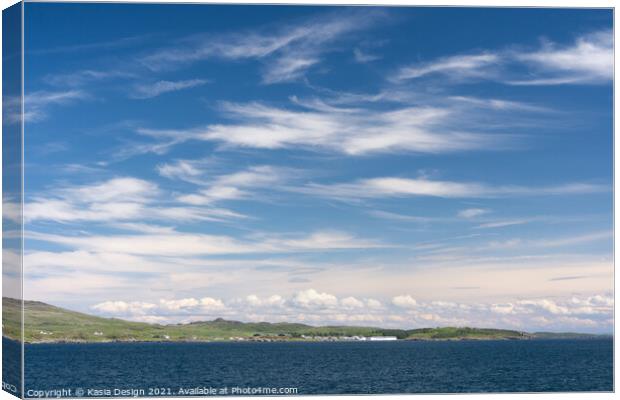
x=114, y=200
x=549, y=308
x=41, y=99
x=405, y=187
x=327, y=240
x=144, y=228
x=593, y=301
x=591, y=312
x=409, y=218
x=472, y=212
x=589, y=60
x=186, y=170
x=151, y=319
x=40, y=262
x=454, y=67
x=191, y=244
x=128, y=41
x=363, y=57
x=147, y=91
x=210, y=303
x=312, y=299
x=151, y=312
x=422, y=129
x=238, y=185
x=351, y=302
x=176, y=305
x=126, y=188
x=271, y=301
x=11, y=209
x=574, y=239
x=82, y=77
x=501, y=224
x=500, y=104
x=545, y=304
x=404, y=301
x=37, y=104
x=373, y=303
x=190, y=304
x=286, y=54
x=121, y=307
x=502, y=308
x=289, y=68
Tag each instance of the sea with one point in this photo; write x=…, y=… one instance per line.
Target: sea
x=306, y=368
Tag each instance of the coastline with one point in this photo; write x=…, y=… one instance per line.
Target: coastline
x=48, y=324
x=215, y=341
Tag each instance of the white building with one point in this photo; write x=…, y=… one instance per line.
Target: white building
x=382, y=338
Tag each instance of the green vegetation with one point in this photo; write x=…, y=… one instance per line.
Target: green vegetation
x=46, y=323
x=567, y=335
x=449, y=333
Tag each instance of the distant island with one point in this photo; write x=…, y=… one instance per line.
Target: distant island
x=45, y=323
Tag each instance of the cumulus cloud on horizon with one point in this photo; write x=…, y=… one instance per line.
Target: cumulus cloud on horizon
x=404, y=311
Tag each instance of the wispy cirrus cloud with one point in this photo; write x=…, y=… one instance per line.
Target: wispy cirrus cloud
x=37, y=104
x=352, y=131
x=386, y=187
x=504, y=250
x=240, y=185
x=150, y=90
x=129, y=41
x=456, y=67
x=574, y=240
x=82, y=77
x=287, y=54
x=503, y=223
x=472, y=212
x=408, y=218
x=115, y=200
x=186, y=170
x=364, y=57
x=356, y=124
x=588, y=60
x=250, y=183
x=195, y=244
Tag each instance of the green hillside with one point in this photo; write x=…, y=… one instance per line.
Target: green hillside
x=47, y=323
x=466, y=333
x=44, y=322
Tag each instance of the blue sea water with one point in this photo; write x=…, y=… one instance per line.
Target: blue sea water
x=324, y=368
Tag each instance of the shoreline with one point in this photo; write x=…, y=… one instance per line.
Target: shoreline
x=463, y=339
x=48, y=324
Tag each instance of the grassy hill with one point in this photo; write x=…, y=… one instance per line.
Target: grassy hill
x=47, y=323
x=466, y=333
x=44, y=322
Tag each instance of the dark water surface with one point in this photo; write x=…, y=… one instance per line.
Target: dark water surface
x=327, y=368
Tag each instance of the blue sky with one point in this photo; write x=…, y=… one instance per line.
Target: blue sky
x=378, y=166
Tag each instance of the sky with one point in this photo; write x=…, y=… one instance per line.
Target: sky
x=396, y=167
